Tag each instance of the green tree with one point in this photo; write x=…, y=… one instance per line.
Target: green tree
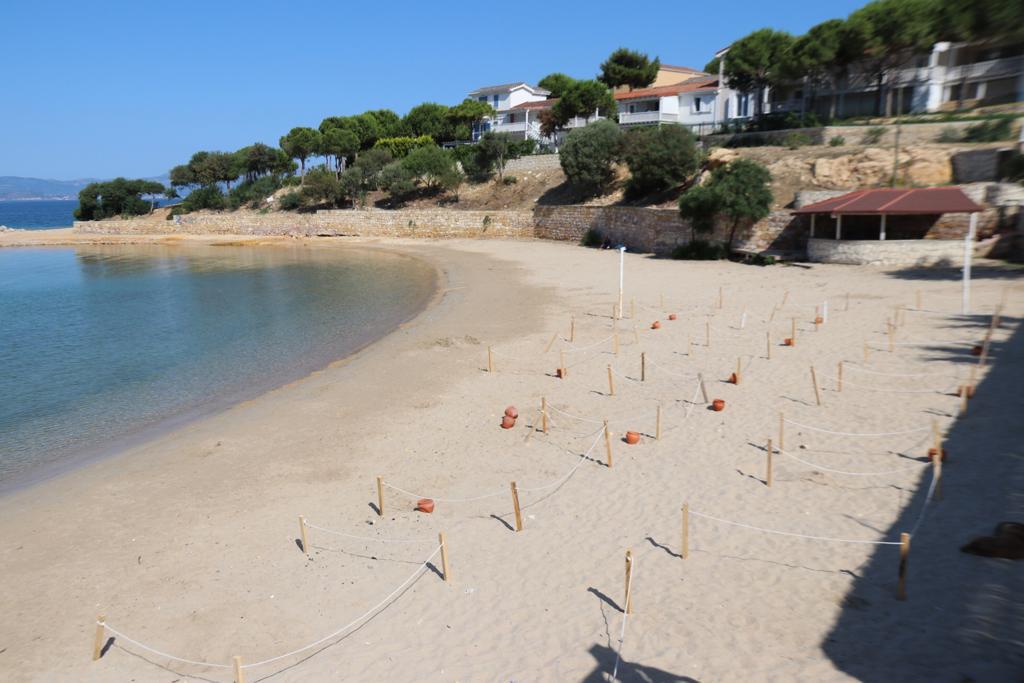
x=556, y=83
x=301, y=143
x=433, y=168
x=584, y=99
x=700, y=205
x=495, y=149
x=740, y=191
x=322, y=186
x=629, y=68
x=363, y=175
x=461, y=118
x=428, y=118
x=117, y=197
x=401, y=146
x=388, y=122
x=589, y=154
x=890, y=33
x=979, y=20
x=339, y=143
x=659, y=157
x=712, y=66
x=398, y=181
x=823, y=55
x=758, y=61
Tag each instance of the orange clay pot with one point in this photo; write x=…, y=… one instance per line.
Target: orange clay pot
x=976, y=350
x=732, y=378
x=819, y=320
x=931, y=454
x=656, y=325
x=508, y=422
x=787, y=342
x=559, y=374
x=632, y=438
x=425, y=505
x=511, y=412
x=671, y=316
x=718, y=405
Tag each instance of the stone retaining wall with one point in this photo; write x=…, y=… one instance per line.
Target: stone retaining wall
x=910, y=134
x=887, y=253
x=534, y=162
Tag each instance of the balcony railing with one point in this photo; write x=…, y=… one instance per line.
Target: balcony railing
x=626, y=118
x=517, y=127
x=994, y=68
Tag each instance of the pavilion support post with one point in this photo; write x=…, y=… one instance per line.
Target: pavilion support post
x=968, y=248
x=881, y=230
x=839, y=227
x=813, y=216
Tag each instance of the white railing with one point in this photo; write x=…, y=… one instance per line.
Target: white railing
x=1007, y=66
x=517, y=127
x=648, y=117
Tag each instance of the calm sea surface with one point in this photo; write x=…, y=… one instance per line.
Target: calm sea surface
x=38, y=214
x=100, y=344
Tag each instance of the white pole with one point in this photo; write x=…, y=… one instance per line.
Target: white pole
x=622, y=271
x=824, y=311
x=968, y=248
x=881, y=232
x=839, y=227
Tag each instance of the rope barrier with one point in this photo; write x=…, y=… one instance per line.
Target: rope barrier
x=625, y=618
x=368, y=538
x=567, y=476
x=847, y=383
x=938, y=342
x=271, y=660
x=789, y=533
x=857, y=368
x=915, y=466
x=827, y=431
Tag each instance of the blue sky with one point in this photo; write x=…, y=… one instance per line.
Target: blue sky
x=98, y=89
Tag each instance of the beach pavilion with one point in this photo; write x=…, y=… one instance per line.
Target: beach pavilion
x=892, y=226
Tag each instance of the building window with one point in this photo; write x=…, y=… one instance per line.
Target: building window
x=696, y=104
x=495, y=101
x=482, y=98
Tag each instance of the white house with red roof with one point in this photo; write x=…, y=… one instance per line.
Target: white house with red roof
x=699, y=103
x=513, y=104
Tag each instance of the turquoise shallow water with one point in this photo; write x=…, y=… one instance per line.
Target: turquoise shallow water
x=101, y=343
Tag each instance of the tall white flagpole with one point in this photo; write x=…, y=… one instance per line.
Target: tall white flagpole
x=622, y=275
x=968, y=250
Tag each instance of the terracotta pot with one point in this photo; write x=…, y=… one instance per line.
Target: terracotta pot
x=425, y=505
x=931, y=454
x=508, y=422
x=819, y=320
x=511, y=412
x=632, y=438
x=656, y=325
x=559, y=374
x=787, y=342
x=732, y=378
x=718, y=405
x=976, y=350
x=671, y=316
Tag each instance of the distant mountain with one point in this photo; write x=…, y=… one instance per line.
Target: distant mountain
x=15, y=187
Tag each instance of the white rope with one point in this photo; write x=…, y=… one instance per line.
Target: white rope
x=565, y=477
x=369, y=538
x=788, y=533
x=621, y=376
x=445, y=500
x=336, y=633
x=579, y=349
x=352, y=623
x=927, y=501
x=944, y=390
x=158, y=652
x=827, y=431
x=916, y=465
x=667, y=371
x=937, y=342
x=625, y=618
x=899, y=374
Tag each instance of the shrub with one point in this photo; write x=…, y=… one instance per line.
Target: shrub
x=701, y=250
x=837, y=141
x=208, y=197
x=433, y=168
x=658, y=158
x=397, y=181
x=1012, y=167
x=592, y=238
x=988, y=131
x=399, y=147
x=949, y=134
x=290, y=201
x=739, y=191
x=873, y=135
x=291, y=181
x=254, y=192
x=322, y=185
x=510, y=180
x=588, y=156
x=796, y=140
x=475, y=164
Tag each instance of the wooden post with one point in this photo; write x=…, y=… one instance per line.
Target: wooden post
x=684, y=548
x=738, y=366
x=775, y=309
x=515, y=506
x=615, y=312
x=236, y=664
x=657, y=424
x=792, y=332
x=302, y=534
x=561, y=363
x=703, y=389
x=721, y=299
x=101, y=632
x=643, y=366
x=839, y=377
x=964, y=389
x=551, y=343
x=380, y=496
x=814, y=381
x=768, y=344
x=901, y=592
x=768, y=471
x=544, y=414
x=615, y=342
x=707, y=334
x=782, y=431
x=490, y=360
x=892, y=342
x=608, y=444
x=611, y=382
x=628, y=599
x=865, y=351
x=446, y=571
x=572, y=329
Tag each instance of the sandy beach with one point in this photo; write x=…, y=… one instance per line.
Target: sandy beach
x=189, y=543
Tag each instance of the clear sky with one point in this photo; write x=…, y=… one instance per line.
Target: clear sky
x=99, y=89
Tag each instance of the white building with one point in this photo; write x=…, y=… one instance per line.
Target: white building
x=511, y=103
x=699, y=104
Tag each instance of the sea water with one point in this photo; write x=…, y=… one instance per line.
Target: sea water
x=98, y=344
